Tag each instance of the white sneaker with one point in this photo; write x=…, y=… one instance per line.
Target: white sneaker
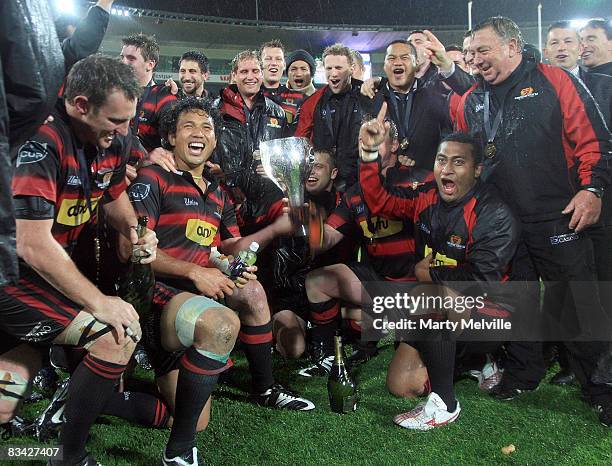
x=490, y=376
x=427, y=415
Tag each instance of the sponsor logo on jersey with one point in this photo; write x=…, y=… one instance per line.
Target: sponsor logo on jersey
x=74, y=212
x=382, y=227
x=31, y=152
x=73, y=180
x=190, y=202
x=440, y=259
x=424, y=228
x=103, y=178
x=139, y=191
x=200, y=232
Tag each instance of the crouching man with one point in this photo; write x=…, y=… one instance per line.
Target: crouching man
x=70, y=167
x=461, y=211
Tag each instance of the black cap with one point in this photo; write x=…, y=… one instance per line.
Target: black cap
x=303, y=55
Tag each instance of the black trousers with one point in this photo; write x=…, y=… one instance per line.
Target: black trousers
x=524, y=366
x=572, y=308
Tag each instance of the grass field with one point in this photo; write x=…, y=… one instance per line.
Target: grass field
x=549, y=426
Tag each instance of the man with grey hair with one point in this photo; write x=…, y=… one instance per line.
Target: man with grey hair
x=332, y=115
x=552, y=171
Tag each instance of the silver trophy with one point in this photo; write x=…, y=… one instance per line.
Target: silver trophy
x=287, y=162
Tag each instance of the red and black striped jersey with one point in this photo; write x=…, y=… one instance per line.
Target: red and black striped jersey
x=389, y=242
x=48, y=167
x=288, y=99
x=472, y=239
x=187, y=221
x=153, y=102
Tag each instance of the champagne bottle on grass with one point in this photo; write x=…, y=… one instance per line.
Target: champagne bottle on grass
x=340, y=386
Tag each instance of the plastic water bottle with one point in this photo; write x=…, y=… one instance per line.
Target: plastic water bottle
x=245, y=259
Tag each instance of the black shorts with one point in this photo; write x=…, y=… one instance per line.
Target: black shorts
x=365, y=272
x=32, y=311
x=162, y=361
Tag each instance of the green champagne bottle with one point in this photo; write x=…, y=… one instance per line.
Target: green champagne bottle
x=340, y=386
x=137, y=286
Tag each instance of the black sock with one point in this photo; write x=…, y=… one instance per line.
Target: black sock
x=439, y=358
x=90, y=386
x=324, y=318
x=140, y=408
x=257, y=341
x=196, y=381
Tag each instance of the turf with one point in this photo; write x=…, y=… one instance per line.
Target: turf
x=549, y=426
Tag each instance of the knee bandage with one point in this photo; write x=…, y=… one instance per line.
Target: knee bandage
x=186, y=319
x=12, y=386
x=84, y=330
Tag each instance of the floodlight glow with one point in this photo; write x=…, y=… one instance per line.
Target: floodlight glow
x=65, y=7
x=578, y=23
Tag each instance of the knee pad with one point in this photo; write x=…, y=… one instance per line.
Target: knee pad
x=12, y=386
x=84, y=330
x=186, y=319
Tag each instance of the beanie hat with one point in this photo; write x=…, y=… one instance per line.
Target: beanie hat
x=302, y=55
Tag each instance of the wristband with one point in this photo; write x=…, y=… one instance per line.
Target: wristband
x=368, y=155
x=597, y=191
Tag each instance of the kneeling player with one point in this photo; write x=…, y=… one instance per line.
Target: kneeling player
x=190, y=338
x=190, y=215
x=462, y=211
x=388, y=254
